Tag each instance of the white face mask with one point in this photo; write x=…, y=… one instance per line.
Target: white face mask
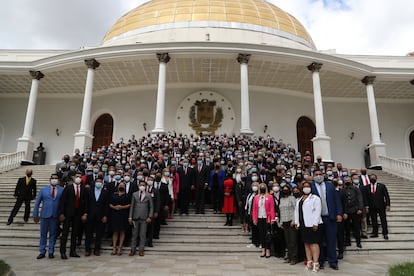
x=142, y=188
x=306, y=190
x=127, y=178
x=78, y=180
x=318, y=178
x=54, y=182
x=150, y=183
x=140, y=177
x=254, y=178
x=255, y=188
x=276, y=189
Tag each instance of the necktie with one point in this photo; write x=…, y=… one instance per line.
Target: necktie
x=323, y=200
x=373, y=188
x=366, y=180
x=142, y=196
x=53, y=192
x=77, y=197
x=185, y=171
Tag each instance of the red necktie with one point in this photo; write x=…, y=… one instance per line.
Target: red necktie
x=366, y=181
x=185, y=171
x=77, y=197
x=373, y=188
x=53, y=192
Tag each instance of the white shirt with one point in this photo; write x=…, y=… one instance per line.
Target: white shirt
x=262, y=209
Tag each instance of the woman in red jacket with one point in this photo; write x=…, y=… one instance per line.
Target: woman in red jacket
x=228, y=203
x=263, y=216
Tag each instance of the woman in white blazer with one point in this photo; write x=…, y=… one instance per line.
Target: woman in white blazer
x=307, y=220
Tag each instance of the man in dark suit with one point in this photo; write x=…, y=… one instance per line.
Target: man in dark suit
x=155, y=196
x=187, y=179
x=25, y=191
x=72, y=210
x=379, y=204
x=201, y=184
x=97, y=198
x=331, y=214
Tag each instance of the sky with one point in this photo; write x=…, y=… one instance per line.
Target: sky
x=377, y=27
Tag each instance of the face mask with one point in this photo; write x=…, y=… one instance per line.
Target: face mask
x=142, y=188
x=199, y=162
x=238, y=170
x=104, y=169
x=150, y=183
x=72, y=168
x=344, y=174
x=355, y=181
x=158, y=178
x=167, y=174
x=288, y=180
x=54, y=182
x=262, y=190
x=111, y=173
x=98, y=185
x=296, y=195
x=140, y=177
x=307, y=190
x=127, y=167
x=276, y=189
x=299, y=171
x=127, y=178
x=254, y=178
x=185, y=165
x=95, y=170
x=254, y=188
x=29, y=175
x=117, y=177
x=318, y=178
x=329, y=172
x=372, y=180
x=286, y=192
x=348, y=184
x=121, y=189
x=78, y=180
x=89, y=172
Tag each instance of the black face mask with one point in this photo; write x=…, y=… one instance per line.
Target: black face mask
x=158, y=179
x=348, y=184
x=296, y=195
x=262, y=190
x=121, y=189
x=372, y=180
x=145, y=174
x=286, y=192
x=29, y=175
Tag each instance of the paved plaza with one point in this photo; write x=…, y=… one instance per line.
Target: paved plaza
x=24, y=262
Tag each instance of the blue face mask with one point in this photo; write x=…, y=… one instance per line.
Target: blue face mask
x=98, y=185
x=117, y=177
x=95, y=170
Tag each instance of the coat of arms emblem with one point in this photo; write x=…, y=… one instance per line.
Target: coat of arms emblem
x=203, y=119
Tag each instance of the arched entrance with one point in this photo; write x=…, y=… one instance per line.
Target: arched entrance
x=306, y=130
x=102, y=131
x=412, y=143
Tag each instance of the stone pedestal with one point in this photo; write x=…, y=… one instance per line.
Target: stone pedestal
x=376, y=150
x=82, y=141
x=322, y=147
x=26, y=145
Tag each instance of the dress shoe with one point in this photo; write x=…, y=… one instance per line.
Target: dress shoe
x=150, y=244
x=364, y=237
x=293, y=262
x=41, y=256
x=156, y=237
x=26, y=220
x=87, y=254
x=359, y=245
x=10, y=221
x=334, y=266
x=63, y=256
x=348, y=243
x=74, y=255
x=141, y=253
x=132, y=253
x=385, y=237
x=51, y=256
x=340, y=256
x=374, y=236
x=97, y=253
x=164, y=223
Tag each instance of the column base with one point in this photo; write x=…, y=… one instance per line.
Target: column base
x=376, y=150
x=248, y=132
x=27, y=145
x=82, y=141
x=322, y=147
x=158, y=131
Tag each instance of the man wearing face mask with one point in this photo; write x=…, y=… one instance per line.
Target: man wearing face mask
x=352, y=204
x=72, y=210
x=187, y=181
x=331, y=214
x=155, y=196
x=201, y=185
x=25, y=191
x=49, y=197
x=379, y=204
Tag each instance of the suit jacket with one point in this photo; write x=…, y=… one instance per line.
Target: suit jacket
x=333, y=201
x=201, y=177
x=269, y=207
x=23, y=191
x=155, y=195
x=97, y=209
x=68, y=201
x=186, y=180
x=50, y=206
x=141, y=209
x=381, y=198
x=221, y=176
x=133, y=187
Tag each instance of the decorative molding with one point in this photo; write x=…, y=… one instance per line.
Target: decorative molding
x=36, y=75
x=315, y=67
x=368, y=80
x=92, y=63
x=243, y=58
x=163, y=57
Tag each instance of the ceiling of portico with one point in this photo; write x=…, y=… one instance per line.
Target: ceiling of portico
x=202, y=69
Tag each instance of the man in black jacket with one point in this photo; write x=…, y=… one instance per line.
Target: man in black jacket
x=25, y=192
x=379, y=204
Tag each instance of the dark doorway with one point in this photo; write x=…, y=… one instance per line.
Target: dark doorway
x=102, y=131
x=306, y=130
x=412, y=143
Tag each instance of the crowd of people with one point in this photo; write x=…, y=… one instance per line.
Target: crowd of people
x=295, y=207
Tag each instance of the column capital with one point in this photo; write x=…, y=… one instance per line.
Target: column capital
x=314, y=67
x=163, y=57
x=412, y=81
x=36, y=75
x=368, y=80
x=92, y=63
x=243, y=58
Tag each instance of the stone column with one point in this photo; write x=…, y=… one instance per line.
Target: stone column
x=163, y=59
x=243, y=59
x=376, y=147
x=83, y=138
x=321, y=142
x=25, y=142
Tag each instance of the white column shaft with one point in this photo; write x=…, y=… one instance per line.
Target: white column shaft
x=375, y=133
x=245, y=106
x=31, y=107
x=317, y=99
x=87, y=102
x=159, y=116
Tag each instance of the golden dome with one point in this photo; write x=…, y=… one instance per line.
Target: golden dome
x=250, y=13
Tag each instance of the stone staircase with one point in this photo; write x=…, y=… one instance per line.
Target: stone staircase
x=205, y=234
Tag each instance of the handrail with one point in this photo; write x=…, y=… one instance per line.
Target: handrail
x=401, y=167
x=9, y=161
